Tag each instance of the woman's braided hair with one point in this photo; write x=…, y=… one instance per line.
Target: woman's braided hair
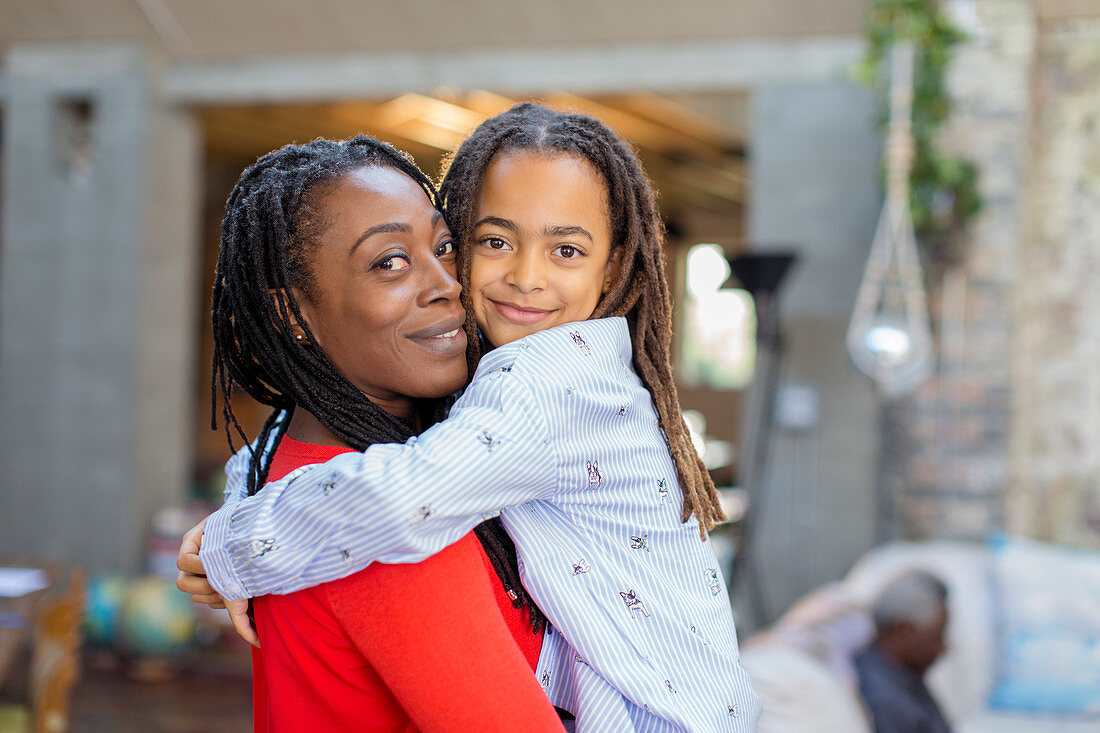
x=272, y=224
x=639, y=291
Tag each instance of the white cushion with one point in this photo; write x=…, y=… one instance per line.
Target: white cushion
x=986, y=722
x=800, y=694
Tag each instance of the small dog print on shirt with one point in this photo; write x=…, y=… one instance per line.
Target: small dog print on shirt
x=594, y=477
x=713, y=583
x=423, y=512
x=260, y=548
x=580, y=342
x=634, y=603
x=487, y=440
x=662, y=491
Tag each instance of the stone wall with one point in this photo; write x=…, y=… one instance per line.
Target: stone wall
x=946, y=447
x=1006, y=433
x=1055, y=491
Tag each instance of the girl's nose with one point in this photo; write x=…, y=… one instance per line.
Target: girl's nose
x=526, y=273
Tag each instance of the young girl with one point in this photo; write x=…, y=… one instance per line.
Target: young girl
x=570, y=431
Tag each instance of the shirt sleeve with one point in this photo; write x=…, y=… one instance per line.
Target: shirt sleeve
x=435, y=635
x=393, y=503
x=236, y=476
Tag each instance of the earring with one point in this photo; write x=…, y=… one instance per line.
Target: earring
x=299, y=337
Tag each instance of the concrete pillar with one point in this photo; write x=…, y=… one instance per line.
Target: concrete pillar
x=99, y=253
x=814, y=159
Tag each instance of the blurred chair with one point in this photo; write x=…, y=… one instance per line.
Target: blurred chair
x=54, y=663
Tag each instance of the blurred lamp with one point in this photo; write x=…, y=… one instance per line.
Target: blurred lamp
x=889, y=337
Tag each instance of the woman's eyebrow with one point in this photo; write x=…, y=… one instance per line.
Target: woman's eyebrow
x=389, y=228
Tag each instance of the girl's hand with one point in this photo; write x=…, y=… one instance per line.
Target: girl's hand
x=192, y=579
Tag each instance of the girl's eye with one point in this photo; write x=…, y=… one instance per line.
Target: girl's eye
x=495, y=243
x=568, y=251
x=445, y=248
x=392, y=263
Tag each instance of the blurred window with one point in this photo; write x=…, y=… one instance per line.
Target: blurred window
x=718, y=349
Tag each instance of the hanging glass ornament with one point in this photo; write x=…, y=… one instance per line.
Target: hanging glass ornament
x=889, y=337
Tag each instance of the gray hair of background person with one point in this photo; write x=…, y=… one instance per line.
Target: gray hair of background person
x=915, y=598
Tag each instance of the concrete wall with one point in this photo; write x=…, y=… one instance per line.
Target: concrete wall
x=95, y=272
x=814, y=157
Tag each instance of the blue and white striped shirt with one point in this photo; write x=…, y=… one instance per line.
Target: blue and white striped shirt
x=557, y=434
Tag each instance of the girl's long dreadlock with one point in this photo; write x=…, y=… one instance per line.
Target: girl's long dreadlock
x=639, y=291
x=271, y=227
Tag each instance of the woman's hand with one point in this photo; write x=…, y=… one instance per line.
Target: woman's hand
x=192, y=579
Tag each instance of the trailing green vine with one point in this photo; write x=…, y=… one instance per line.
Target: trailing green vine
x=944, y=188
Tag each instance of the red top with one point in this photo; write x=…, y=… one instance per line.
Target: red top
x=396, y=648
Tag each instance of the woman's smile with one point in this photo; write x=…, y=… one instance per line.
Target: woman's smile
x=445, y=338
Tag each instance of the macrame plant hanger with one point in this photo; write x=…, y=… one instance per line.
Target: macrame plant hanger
x=889, y=337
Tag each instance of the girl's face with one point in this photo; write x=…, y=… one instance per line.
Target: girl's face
x=541, y=251
x=386, y=310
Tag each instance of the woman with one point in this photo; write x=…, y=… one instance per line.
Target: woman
x=335, y=302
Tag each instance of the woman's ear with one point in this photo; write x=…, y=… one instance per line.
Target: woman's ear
x=283, y=304
x=611, y=270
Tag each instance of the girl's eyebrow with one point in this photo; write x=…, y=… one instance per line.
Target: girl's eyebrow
x=497, y=222
x=568, y=231
x=552, y=230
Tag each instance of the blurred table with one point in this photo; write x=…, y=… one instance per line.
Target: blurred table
x=22, y=588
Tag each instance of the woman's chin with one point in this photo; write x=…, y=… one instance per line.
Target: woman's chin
x=437, y=385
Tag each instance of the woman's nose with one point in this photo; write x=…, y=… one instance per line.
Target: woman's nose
x=442, y=284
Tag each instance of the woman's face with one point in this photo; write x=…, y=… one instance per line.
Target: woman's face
x=385, y=306
x=541, y=252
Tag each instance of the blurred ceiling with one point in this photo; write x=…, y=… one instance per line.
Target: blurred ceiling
x=224, y=29
x=692, y=146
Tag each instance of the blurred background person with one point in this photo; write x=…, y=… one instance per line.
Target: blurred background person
x=910, y=617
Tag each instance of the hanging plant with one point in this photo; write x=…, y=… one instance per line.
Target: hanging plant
x=943, y=187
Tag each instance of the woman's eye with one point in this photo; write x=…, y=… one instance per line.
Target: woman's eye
x=567, y=251
x=393, y=262
x=445, y=248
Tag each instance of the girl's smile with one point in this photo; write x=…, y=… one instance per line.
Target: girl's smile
x=541, y=252
x=519, y=315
